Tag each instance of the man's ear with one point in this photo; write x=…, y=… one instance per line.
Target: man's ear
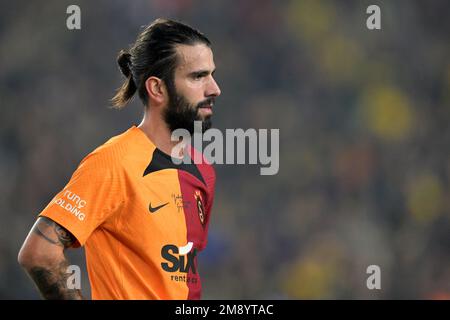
x=156, y=90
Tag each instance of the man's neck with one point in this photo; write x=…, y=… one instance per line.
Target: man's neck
x=157, y=131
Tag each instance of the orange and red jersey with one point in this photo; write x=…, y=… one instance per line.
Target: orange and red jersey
x=142, y=219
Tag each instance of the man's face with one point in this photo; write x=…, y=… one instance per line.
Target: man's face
x=193, y=95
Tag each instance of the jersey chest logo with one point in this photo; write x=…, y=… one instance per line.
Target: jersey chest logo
x=154, y=209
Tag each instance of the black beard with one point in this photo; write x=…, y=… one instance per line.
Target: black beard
x=180, y=114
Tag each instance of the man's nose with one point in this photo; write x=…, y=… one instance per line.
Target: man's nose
x=213, y=89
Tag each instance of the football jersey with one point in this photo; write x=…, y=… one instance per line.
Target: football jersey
x=142, y=219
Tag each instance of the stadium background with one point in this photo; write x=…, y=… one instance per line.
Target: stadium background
x=364, y=137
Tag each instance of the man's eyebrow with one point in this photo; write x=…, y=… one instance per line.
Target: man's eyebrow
x=201, y=73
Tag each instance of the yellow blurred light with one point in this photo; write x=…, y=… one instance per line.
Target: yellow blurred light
x=310, y=280
x=310, y=19
x=387, y=113
x=425, y=198
x=316, y=274
x=341, y=59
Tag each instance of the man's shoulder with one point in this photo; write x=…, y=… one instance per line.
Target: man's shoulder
x=209, y=175
x=111, y=153
x=208, y=172
x=203, y=164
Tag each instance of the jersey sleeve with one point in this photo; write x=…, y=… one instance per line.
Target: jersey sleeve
x=93, y=194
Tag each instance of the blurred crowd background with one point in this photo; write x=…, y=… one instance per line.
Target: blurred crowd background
x=364, y=137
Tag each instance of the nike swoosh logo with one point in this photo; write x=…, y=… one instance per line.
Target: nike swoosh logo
x=154, y=209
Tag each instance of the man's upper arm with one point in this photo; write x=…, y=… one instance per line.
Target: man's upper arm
x=53, y=233
x=95, y=192
x=45, y=243
x=42, y=256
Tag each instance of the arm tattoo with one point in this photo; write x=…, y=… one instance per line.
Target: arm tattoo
x=51, y=280
x=53, y=232
x=52, y=283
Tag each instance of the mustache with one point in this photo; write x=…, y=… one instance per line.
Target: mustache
x=206, y=102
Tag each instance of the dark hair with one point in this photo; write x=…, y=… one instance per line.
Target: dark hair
x=153, y=54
